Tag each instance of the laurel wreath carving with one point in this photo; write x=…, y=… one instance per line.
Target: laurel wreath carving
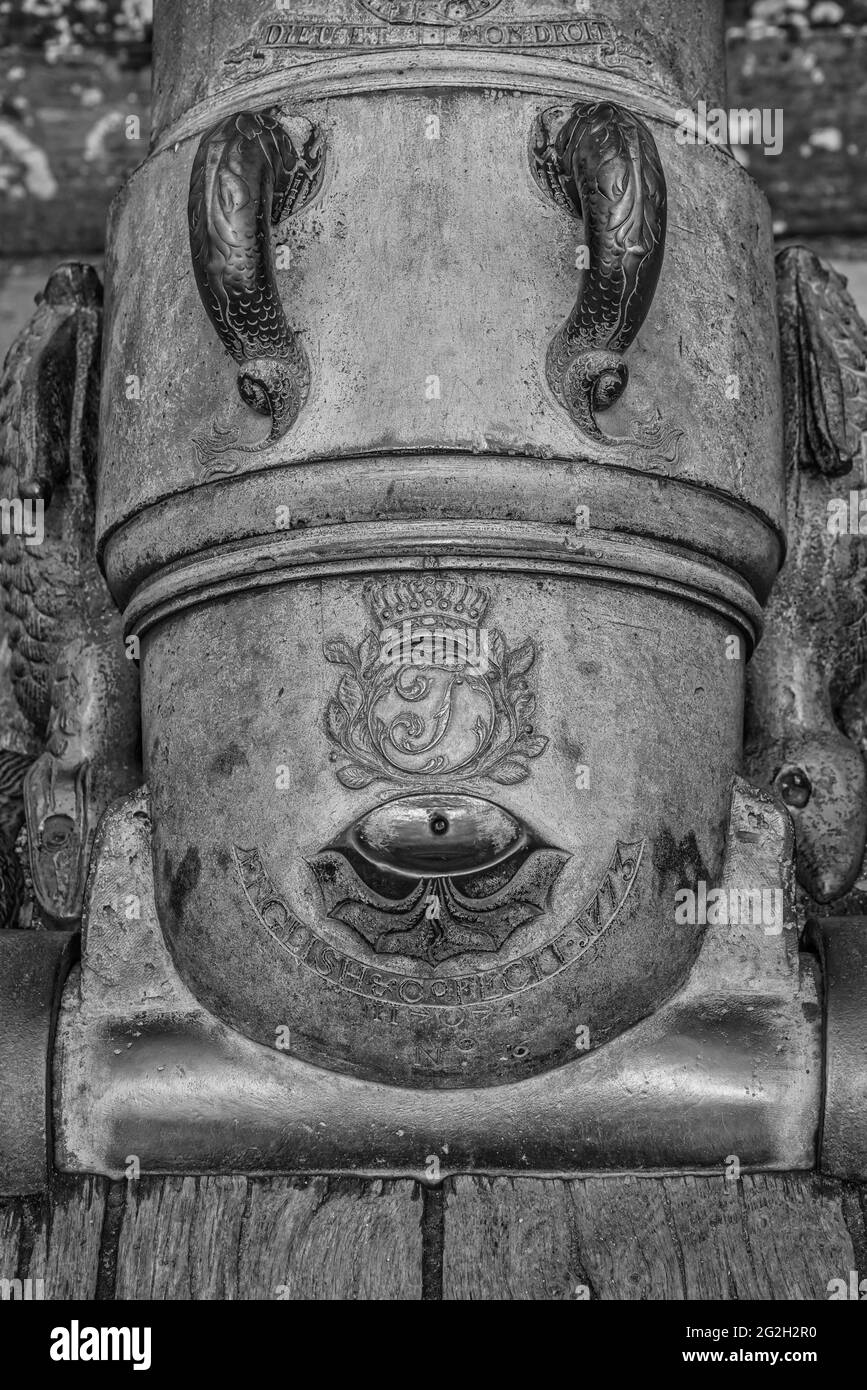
x=504, y=752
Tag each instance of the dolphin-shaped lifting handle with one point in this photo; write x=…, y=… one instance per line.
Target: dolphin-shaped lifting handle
x=247, y=175
x=601, y=163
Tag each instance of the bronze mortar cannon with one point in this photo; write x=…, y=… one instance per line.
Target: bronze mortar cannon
x=442, y=521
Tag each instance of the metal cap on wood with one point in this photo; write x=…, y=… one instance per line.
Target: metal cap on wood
x=33, y=967
x=842, y=946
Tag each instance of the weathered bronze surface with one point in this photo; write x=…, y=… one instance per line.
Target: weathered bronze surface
x=247, y=175
x=75, y=688
x=33, y=967
x=434, y=585
x=842, y=946
x=602, y=164
x=13, y=768
x=444, y=862
x=49, y=402
x=806, y=682
x=737, y=1049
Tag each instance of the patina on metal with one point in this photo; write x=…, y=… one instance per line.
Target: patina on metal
x=602, y=164
x=807, y=680
x=247, y=175
x=842, y=946
x=444, y=850
x=13, y=768
x=75, y=688
x=33, y=967
x=432, y=584
x=738, y=1048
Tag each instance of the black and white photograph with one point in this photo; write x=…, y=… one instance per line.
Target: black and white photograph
x=433, y=671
